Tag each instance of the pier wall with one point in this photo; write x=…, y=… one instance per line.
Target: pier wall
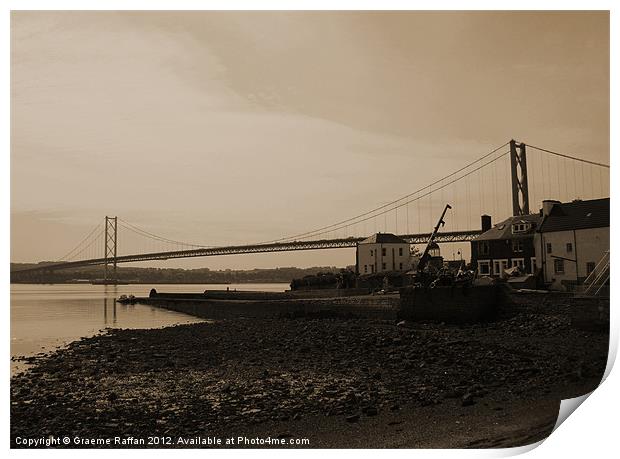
x=368, y=306
x=255, y=295
x=449, y=304
x=586, y=313
x=589, y=313
x=513, y=303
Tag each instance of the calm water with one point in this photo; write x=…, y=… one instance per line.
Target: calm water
x=44, y=317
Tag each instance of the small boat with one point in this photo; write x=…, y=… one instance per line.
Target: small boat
x=126, y=299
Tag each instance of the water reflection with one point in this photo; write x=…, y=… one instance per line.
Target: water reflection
x=105, y=311
x=44, y=317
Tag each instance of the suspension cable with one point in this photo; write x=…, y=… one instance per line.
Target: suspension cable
x=567, y=156
x=150, y=235
x=86, y=247
x=389, y=203
x=407, y=202
x=81, y=242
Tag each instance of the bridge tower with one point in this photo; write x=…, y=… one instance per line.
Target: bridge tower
x=518, y=167
x=110, y=246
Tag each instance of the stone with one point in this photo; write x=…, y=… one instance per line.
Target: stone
x=467, y=400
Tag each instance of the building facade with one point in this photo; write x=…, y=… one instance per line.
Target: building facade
x=382, y=252
x=508, y=244
x=572, y=239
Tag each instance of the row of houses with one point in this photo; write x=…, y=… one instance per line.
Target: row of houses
x=562, y=243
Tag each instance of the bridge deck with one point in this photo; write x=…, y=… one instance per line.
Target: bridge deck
x=455, y=236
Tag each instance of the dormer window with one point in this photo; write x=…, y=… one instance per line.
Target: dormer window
x=520, y=227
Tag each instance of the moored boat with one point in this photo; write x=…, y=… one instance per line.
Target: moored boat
x=126, y=299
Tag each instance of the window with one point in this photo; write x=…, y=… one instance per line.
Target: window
x=590, y=266
x=372, y=268
x=517, y=246
x=383, y=266
x=383, y=252
x=499, y=266
x=371, y=252
x=558, y=266
x=365, y=269
x=400, y=266
x=483, y=247
x=520, y=227
x=548, y=247
x=533, y=265
x=520, y=262
x=400, y=252
x=504, y=265
x=569, y=246
x=484, y=267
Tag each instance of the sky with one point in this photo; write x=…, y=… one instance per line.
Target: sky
x=222, y=128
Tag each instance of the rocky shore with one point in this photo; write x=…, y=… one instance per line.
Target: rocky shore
x=339, y=383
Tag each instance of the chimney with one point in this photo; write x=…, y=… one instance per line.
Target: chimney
x=548, y=205
x=485, y=222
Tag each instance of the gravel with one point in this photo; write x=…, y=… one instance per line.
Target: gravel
x=213, y=378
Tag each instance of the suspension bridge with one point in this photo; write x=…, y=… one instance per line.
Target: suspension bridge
x=496, y=184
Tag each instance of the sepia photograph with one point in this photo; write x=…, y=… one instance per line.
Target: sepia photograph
x=306, y=229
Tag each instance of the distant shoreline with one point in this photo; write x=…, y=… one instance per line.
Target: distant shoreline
x=145, y=276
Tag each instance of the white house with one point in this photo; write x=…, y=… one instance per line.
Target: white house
x=382, y=252
x=571, y=239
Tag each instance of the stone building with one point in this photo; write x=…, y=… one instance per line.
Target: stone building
x=382, y=252
x=571, y=239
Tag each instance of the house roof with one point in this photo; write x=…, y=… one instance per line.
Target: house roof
x=384, y=238
x=568, y=216
x=503, y=230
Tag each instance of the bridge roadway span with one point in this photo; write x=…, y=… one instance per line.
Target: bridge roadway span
x=455, y=236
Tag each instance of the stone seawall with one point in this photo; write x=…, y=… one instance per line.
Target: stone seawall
x=586, y=313
x=265, y=296
x=512, y=303
x=589, y=313
x=367, y=306
x=449, y=304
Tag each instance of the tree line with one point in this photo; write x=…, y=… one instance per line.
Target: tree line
x=179, y=275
